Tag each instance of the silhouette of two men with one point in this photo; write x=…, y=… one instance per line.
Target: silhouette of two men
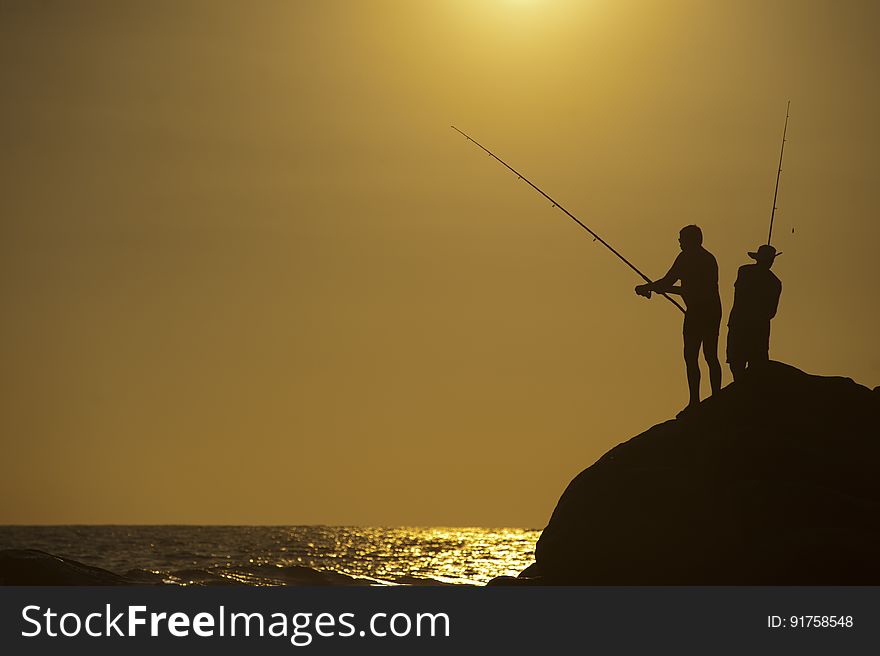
x=756, y=299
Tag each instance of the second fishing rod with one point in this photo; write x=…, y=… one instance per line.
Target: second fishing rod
x=778, y=173
x=569, y=214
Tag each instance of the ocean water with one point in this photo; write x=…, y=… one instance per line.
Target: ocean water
x=287, y=555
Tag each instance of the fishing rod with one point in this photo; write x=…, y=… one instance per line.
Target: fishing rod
x=570, y=215
x=778, y=173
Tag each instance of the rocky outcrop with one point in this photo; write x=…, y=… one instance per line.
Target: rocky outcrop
x=32, y=567
x=773, y=481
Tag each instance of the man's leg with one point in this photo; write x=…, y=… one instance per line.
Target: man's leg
x=710, y=353
x=692, y=363
x=759, y=351
x=737, y=368
x=735, y=358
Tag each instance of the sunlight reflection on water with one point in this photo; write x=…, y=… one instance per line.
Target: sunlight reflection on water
x=449, y=555
x=279, y=555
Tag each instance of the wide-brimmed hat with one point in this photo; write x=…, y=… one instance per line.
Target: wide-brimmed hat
x=765, y=253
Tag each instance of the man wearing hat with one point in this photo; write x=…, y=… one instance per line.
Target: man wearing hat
x=755, y=299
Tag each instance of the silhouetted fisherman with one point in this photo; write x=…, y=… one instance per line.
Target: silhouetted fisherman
x=697, y=270
x=755, y=300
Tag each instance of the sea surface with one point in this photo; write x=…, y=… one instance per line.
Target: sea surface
x=287, y=555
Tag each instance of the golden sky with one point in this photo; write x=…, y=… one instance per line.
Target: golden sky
x=250, y=275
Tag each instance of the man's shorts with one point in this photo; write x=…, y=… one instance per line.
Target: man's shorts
x=702, y=324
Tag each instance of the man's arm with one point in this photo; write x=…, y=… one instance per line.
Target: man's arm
x=664, y=285
x=774, y=302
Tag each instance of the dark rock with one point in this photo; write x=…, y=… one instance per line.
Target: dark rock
x=142, y=576
x=32, y=567
x=529, y=572
x=517, y=581
x=773, y=481
x=420, y=580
